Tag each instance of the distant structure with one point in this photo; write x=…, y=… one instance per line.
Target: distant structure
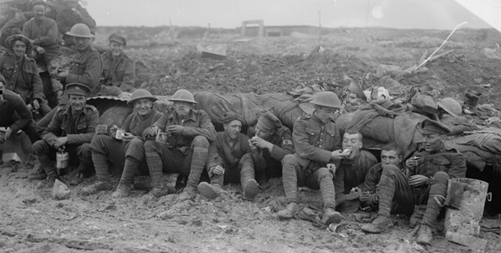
x=260, y=24
x=273, y=31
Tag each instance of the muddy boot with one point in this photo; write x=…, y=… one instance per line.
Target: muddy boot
x=424, y=235
x=331, y=216
x=250, y=189
x=47, y=183
x=188, y=193
x=122, y=191
x=288, y=212
x=96, y=187
x=159, y=191
x=379, y=225
x=210, y=191
x=37, y=173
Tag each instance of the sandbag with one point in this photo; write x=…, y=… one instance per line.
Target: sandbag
x=424, y=103
x=283, y=106
x=382, y=130
x=115, y=115
x=216, y=106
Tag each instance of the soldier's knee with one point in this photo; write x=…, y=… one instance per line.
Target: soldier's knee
x=136, y=142
x=390, y=169
x=39, y=147
x=324, y=173
x=440, y=177
x=98, y=141
x=289, y=159
x=150, y=145
x=200, y=142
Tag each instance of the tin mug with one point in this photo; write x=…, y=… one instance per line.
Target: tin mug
x=62, y=160
x=162, y=137
x=119, y=134
x=101, y=129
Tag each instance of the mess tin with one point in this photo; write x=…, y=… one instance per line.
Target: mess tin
x=101, y=129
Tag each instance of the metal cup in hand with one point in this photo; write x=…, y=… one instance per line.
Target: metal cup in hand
x=101, y=129
x=119, y=134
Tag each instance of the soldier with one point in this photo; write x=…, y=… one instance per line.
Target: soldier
x=85, y=68
x=14, y=25
x=14, y=114
x=188, y=132
x=21, y=73
x=110, y=149
x=429, y=170
x=70, y=14
x=352, y=168
x=391, y=155
x=316, y=142
x=43, y=34
x=71, y=129
x=230, y=160
x=119, y=70
x=272, y=141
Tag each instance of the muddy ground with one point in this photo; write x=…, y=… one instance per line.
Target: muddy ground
x=31, y=221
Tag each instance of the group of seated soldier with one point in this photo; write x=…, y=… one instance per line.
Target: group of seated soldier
x=183, y=140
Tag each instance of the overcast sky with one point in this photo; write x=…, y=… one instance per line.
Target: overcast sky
x=438, y=14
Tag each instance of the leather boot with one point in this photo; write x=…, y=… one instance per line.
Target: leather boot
x=47, y=183
x=379, y=225
x=96, y=187
x=250, y=189
x=331, y=216
x=37, y=173
x=159, y=191
x=210, y=191
x=288, y=212
x=188, y=193
x=122, y=191
x=425, y=235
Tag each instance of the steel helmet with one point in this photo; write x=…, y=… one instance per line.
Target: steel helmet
x=451, y=106
x=80, y=30
x=183, y=95
x=141, y=94
x=326, y=99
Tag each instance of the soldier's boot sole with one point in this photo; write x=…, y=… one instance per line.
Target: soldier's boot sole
x=251, y=189
x=122, y=191
x=285, y=214
x=332, y=217
x=37, y=176
x=207, y=190
x=95, y=188
x=425, y=235
x=377, y=227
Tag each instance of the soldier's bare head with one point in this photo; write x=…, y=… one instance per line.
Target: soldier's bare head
x=391, y=154
x=352, y=140
x=39, y=9
x=232, y=124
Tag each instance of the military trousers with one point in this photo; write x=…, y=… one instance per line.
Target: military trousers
x=298, y=171
x=394, y=187
x=46, y=154
x=239, y=174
